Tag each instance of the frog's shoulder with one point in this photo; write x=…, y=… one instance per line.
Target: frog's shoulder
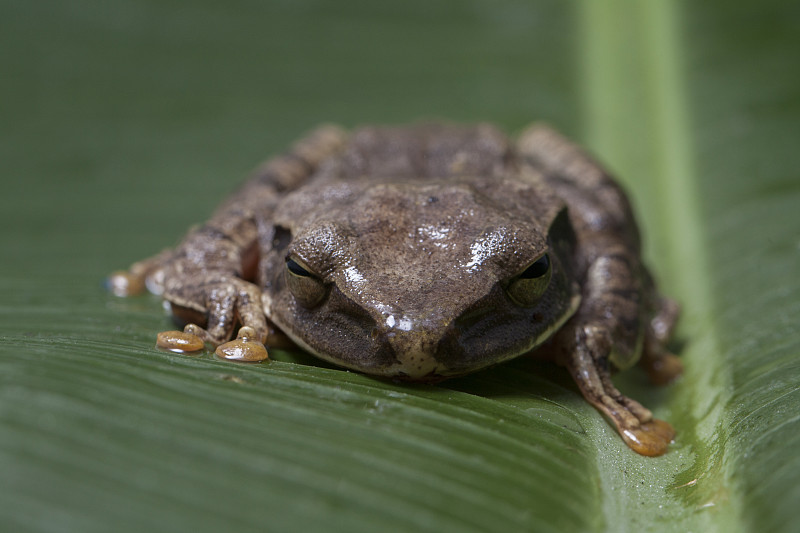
x=598, y=204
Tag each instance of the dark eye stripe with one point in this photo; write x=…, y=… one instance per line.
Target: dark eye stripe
x=538, y=269
x=296, y=269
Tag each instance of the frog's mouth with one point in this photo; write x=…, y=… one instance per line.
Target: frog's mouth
x=429, y=356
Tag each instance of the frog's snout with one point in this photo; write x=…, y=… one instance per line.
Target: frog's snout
x=415, y=344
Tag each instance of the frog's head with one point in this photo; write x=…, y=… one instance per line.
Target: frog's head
x=420, y=280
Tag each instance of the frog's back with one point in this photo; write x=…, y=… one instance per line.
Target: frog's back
x=433, y=150
x=443, y=150
x=599, y=209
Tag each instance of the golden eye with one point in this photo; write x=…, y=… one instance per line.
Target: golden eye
x=528, y=287
x=306, y=287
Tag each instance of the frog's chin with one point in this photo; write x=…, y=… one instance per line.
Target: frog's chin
x=420, y=368
x=413, y=367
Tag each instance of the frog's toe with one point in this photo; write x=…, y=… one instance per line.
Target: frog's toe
x=641, y=432
x=650, y=438
x=245, y=348
x=663, y=369
x=662, y=325
x=179, y=341
x=123, y=283
x=146, y=274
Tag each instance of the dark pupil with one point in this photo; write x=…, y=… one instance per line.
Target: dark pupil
x=537, y=269
x=296, y=269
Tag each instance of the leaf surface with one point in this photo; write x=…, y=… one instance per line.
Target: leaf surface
x=127, y=121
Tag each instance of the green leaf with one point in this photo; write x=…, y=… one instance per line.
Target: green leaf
x=125, y=122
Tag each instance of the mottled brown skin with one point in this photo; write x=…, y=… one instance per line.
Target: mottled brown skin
x=430, y=251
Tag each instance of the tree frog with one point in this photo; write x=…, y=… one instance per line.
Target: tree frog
x=424, y=252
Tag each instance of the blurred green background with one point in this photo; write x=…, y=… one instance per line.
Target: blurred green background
x=124, y=122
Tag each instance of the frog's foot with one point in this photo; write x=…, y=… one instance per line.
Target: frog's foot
x=227, y=301
x=640, y=431
x=211, y=308
x=245, y=347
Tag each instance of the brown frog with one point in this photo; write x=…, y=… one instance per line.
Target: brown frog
x=424, y=252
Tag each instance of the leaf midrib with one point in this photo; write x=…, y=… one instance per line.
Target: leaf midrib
x=625, y=40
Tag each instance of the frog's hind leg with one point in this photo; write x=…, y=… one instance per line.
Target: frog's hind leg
x=635, y=423
x=662, y=367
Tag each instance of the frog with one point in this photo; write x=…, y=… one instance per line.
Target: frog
x=424, y=252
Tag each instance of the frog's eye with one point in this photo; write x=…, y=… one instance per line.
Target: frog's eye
x=306, y=287
x=295, y=268
x=528, y=287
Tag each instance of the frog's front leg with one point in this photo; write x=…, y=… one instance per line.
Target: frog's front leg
x=609, y=329
x=204, y=281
